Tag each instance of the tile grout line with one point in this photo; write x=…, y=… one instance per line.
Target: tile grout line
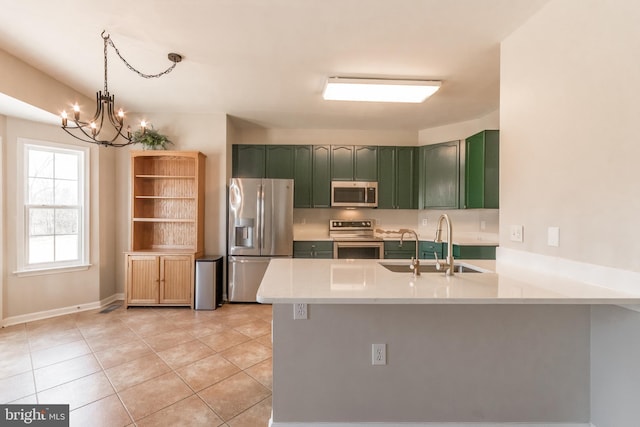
x=155, y=352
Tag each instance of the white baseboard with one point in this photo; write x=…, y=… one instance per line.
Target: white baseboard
x=31, y=317
x=387, y=424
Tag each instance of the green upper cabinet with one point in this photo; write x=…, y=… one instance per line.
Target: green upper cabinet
x=248, y=161
x=302, y=174
x=387, y=165
x=279, y=161
x=397, y=173
x=321, y=177
x=440, y=175
x=365, y=163
x=342, y=162
x=482, y=157
x=354, y=163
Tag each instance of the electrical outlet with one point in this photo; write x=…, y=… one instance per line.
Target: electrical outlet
x=378, y=354
x=424, y=221
x=516, y=233
x=299, y=311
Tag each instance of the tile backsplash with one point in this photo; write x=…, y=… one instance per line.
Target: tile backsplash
x=316, y=221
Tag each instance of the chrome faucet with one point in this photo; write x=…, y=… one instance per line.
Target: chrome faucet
x=415, y=261
x=438, y=239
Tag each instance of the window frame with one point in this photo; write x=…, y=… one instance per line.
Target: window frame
x=23, y=208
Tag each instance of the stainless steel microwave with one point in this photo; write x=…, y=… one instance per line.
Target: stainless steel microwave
x=354, y=194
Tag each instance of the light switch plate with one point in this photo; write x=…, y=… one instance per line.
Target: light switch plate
x=516, y=233
x=553, y=236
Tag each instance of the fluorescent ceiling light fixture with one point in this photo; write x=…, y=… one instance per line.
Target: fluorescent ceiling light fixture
x=379, y=90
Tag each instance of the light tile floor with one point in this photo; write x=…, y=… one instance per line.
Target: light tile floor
x=145, y=366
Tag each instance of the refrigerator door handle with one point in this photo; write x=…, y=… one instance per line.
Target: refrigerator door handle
x=261, y=213
x=255, y=260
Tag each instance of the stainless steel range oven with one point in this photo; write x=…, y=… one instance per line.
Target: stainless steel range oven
x=355, y=239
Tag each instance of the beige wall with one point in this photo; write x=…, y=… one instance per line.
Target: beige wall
x=459, y=131
x=569, y=108
x=325, y=136
x=32, y=294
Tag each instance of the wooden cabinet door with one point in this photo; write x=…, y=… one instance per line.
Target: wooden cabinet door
x=302, y=175
x=176, y=279
x=142, y=279
x=279, y=161
x=365, y=163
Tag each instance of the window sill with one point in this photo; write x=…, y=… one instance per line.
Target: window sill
x=51, y=270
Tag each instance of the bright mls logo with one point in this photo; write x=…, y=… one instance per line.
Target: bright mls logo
x=34, y=415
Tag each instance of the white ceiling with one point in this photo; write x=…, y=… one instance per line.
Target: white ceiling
x=265, y=62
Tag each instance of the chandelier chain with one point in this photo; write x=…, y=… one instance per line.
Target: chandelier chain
x=129, y=66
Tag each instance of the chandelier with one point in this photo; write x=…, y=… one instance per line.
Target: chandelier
x=92, y=130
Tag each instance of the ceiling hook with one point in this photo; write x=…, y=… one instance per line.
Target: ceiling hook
x=103, y=36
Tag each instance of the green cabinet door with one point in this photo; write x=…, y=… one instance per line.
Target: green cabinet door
x=302, y=174
x=441, y=175
x=430, y=250
x=387, y=177
x=248, y=161
x=279, y=161
x=342, y=162
x=397, y=177
x=321, y=177
x=394, y=250
x=365, y=163
x=354, y=163
x=312, y=249
x=482, y=170
x=406, y=178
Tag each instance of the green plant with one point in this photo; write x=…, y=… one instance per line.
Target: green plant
x=151, y=139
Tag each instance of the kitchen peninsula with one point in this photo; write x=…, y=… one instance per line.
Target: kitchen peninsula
x=473, y=348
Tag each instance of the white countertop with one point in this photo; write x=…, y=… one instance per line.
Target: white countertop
x=340, y=281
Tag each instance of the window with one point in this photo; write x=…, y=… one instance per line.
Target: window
x=55, y=203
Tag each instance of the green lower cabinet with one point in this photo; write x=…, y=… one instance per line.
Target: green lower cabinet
x=313, y=249
x=471, y=252
x=393, y=249
x=428, y=250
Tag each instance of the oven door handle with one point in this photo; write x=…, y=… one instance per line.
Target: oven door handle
x=374, y=244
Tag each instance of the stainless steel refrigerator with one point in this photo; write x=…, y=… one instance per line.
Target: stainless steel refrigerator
x=260, y=228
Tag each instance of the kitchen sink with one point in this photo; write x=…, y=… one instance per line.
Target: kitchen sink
x=426, y=268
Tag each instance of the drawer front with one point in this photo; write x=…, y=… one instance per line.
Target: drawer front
x=427, y=250
x=394, y=245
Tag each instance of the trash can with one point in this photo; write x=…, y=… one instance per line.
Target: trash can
x=208, y=282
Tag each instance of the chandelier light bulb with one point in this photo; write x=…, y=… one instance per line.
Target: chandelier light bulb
x=76, y=111
x=64, y=118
